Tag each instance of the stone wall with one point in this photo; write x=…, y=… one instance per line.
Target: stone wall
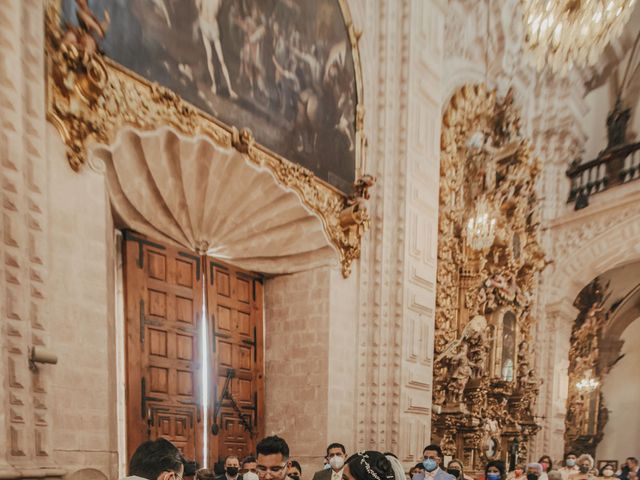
x=366, y=378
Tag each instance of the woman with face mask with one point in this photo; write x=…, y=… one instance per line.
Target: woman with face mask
x=494, y=470
x=547, y=465
x=456, y=468
x=585, y=468
x=607, y=471
x=518, y=473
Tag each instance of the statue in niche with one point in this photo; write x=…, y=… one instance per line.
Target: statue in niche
x=508, y=345
x=523, y=360
x=460, y=374
x=478, y=350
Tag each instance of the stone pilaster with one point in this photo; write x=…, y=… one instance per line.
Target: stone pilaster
x=25, y=446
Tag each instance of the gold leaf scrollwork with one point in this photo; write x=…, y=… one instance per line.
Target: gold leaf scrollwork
x=484, y=386
x=89, y=97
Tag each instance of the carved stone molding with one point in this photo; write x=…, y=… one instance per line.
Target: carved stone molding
x=89, y=98
x=25, y=448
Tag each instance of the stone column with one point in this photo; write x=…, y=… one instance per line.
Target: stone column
x=553, y=369
x=25, y=418
x=398, y=269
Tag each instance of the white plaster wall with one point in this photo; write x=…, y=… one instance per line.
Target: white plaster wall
x=599, y=101
x=621, y=390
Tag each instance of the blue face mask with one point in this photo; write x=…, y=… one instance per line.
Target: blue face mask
x=429, y=464
x=493, y=476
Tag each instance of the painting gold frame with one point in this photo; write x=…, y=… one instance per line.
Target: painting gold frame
x=90, y=97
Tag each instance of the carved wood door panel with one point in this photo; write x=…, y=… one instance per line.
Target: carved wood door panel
x=235, y=312
x=163, y=297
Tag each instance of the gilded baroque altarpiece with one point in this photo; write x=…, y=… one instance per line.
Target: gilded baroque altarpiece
x=485, y=388
x=89, y=97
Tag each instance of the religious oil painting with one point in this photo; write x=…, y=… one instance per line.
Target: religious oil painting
x=282, y=68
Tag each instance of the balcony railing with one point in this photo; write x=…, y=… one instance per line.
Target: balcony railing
x=613, y=167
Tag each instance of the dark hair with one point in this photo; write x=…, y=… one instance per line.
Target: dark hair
x=433, y=447
x=336, y=445
x=499, y=464
x=205, y=474
x=370, y=465
x=247, y=459
x=153, y=457
x=419, y=465
x=570, y=453
x=296, y=464
x=633, y=459
x=605, y=466
x=455, y=460
x=273, y=445
x=548, y=459
x=218, y=467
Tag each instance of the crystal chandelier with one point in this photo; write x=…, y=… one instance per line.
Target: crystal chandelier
x=587, y=384
x=481, y=226
x=572, y=33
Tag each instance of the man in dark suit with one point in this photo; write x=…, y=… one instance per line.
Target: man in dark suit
x=336, y=456
x=231, y=469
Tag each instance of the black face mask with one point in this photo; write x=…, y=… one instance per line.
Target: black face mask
x=232, y=471
x=532, y=476
x=454, y=471
x=584, y=468
x=294, y=477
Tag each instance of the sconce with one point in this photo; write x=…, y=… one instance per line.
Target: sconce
x=41, y=355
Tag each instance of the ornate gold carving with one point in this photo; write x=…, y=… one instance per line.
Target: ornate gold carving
x=484, y=385
x=89, y=97
x=587, y=414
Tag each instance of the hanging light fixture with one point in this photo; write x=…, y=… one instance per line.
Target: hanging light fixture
x=572, y=33
x=481, y=226
x=588, y=383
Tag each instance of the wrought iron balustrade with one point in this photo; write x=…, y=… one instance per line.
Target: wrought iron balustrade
x=614, y=166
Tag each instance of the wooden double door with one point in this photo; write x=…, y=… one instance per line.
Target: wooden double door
x=194, y=350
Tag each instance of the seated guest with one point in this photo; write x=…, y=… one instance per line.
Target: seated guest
x=534, y=470
x=456, y=468
x=418, y=469
x=546, y=464
x=585, y=468
x=432, y=455
x=336, y=456
x=494, y=470
x=248, y=465
x=156, y=460
x=231, y=469
x=629, y=469
x=371, y=465
x=607, y=471
x=554, y=475
x=518, y=472
x=295, y=470
x=570, y=466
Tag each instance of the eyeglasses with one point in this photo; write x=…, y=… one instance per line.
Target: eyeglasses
x=262, y=470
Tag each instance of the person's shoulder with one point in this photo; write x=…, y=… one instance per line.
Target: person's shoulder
x=443, y=475
x=322, y=473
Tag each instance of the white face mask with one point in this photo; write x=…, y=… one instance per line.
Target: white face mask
x=250, y=476
x=336, y=462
